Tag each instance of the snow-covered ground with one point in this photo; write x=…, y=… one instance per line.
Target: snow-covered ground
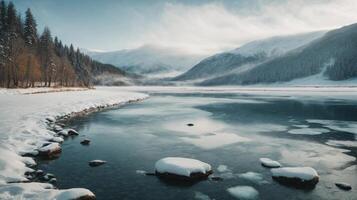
x=24, y=129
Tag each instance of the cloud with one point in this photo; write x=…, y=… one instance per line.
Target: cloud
x=213, y=27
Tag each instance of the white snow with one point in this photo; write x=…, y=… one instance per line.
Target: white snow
x=222, y=168
x=308, y=131
x=253, y=176
x=24, y=129
x=269, y=162
x=303, y=173
x=243, y=192
x=50, y=148
x=181, y=166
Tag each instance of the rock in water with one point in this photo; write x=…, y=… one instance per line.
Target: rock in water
x=343, y=186
x=53, y=181
x=96, y=163
x=72, y=132
x=85, y=142
x=50, y=150
x=299, y=177
x=269, y=163
x=75, y=194
x=186, y=169
x=190, y=124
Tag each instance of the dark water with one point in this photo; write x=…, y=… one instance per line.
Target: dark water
x=135, y=136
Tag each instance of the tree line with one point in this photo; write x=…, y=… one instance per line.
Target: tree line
x=30, y=59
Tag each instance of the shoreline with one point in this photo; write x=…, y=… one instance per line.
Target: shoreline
x=19, y=177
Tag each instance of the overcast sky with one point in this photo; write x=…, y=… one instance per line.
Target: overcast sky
x=197, y=26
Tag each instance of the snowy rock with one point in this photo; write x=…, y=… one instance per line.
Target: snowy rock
x=75, y=194
x=51, y=119
x=57, y=128
x=57, y=139
x=40, y=172
x=72, y=132
x=51, y=150
x=182, y=169
x=343, y=186
x=96, y=163
x=85, y=142
x=305, y=177
x=267, y=162
x=63, y=133
x=53, y=181
x=243, y=192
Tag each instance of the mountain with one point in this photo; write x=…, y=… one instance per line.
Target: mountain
x=334, y=55
x=246, y=57
x=149, y=59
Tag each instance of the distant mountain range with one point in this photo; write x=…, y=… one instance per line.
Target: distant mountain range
x=247, y=57
x=149, y=60
x=328, y=55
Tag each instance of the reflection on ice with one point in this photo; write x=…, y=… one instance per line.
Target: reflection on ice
x=217, y=140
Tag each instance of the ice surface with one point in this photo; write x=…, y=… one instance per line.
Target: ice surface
x=253, y=176
x=243, y=192
x=303, y=173
x=222, y=168
x=308, y=131
x=215, y=140
x=181, y=166
x=342, y=143
x=344, y=126
x=201, y=196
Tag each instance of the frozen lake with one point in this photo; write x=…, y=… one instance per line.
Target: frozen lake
x=231, y=132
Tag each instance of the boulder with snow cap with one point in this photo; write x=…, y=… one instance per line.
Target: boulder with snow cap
x=85, y=142
x=50, y=150
x=299, y=177
x=269, y=163
x=75, y=194
x=72, y=132
x=57, y=128
x=186, y=169
x=96, y=163
x=343, y=186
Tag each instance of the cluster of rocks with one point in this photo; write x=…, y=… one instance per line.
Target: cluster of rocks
x=41, y=176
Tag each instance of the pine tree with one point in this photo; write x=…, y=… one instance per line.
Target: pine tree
x=30, y=30
x=46, y=54
x=3, y=14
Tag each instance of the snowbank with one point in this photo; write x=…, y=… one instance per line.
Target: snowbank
x=182, y=167
x=24, y=130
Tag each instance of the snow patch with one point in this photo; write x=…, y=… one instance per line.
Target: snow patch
x=243, y=192
x=181, y=166
x=308, y=131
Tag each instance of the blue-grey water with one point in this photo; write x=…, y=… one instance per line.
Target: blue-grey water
x=234, y=130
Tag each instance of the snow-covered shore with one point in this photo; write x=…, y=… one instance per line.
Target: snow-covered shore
x=23, y=129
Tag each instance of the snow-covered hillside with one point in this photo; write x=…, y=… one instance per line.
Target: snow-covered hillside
x=24, y=129
x=247, y=56
x=277, y=45
x=148, y=59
